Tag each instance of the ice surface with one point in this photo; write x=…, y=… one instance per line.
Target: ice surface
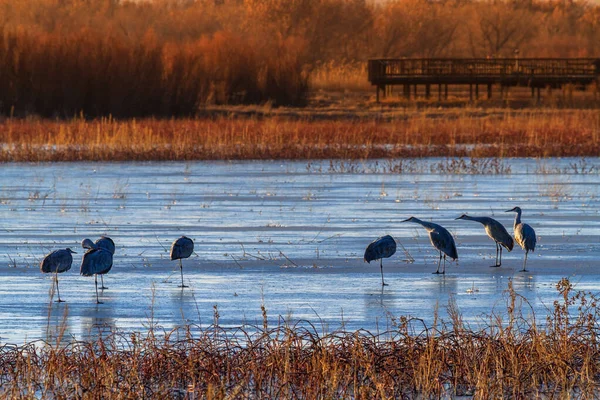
x=281, y=234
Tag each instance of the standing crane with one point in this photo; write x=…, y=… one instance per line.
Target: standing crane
x=524, y=235
x=497, y=232
x=57, y=262
x=183, y=247
x=440, y=238
x=96, y=262
x=383, y=247
x=105, y=243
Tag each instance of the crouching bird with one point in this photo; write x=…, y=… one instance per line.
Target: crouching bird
x=383, y=247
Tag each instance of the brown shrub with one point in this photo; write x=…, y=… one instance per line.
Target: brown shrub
x=59, y=75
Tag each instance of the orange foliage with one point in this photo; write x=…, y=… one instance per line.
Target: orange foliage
x=170, y=57
x=527, y=134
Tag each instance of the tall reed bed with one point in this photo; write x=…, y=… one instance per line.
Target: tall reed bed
x=512, y=355
x=340, y=76
x=87, y=73
x=504, y=134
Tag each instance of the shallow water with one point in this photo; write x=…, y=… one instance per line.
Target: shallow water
x=282, y=235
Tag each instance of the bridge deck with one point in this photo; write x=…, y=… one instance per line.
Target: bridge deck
x=528, y=72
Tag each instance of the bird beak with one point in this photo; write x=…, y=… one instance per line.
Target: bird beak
x=461, y=217
x=510, y=210
x=406, y=220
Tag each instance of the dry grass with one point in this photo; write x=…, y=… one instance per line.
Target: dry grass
x=514, y=356
x=340, y=76
x=437, y=133
x=124, y=59
x=95, y=74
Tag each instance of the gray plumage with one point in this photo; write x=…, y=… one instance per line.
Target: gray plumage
x=524, y=235
x=182, y=247
x=104, y=243
x=497, y=232
x=440, y=238
x=96, y=262
x=57, y=262
x=383, y=247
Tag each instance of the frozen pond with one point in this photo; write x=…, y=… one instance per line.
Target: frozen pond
x=289, y=235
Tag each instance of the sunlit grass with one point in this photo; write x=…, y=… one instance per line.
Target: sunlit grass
x=96, y=74
x=340, y=76
x=536, y=133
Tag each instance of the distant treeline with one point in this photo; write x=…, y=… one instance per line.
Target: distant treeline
x=169, y=57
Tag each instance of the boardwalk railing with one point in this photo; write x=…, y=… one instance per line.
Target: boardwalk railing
x=530, y=72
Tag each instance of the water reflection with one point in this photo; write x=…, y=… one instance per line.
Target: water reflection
x=58, y=327
x=98, y=320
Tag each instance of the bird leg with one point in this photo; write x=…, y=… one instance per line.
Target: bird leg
x=181, y=269
x=439, y=262
x=381, y=266
x=102, y=280
x=444, y=270
x=500, y=263
x=497, y=265
x=525, y=262
x=96, y=281
x=57, y=290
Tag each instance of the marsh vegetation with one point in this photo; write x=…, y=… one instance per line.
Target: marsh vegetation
x=457, y=133
x=515, y=355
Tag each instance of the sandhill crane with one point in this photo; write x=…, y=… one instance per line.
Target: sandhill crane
x=440, y=238
x=58, y=262
x=524, y=235
x=96, y=262
x=105, y=243
x=497, y=232
x=183, y=247
x=383, y=247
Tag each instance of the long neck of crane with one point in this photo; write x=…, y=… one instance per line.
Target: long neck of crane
x=476, y=219
x=518, y=218
x=427, y=225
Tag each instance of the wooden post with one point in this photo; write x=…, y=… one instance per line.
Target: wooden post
x=477, y=91
x=377, y=91
x=427, y=91
x=539, y=96
x=439, y=92
x=489, y=91
x=415, y=91
x=471, y=91
x=446, y=92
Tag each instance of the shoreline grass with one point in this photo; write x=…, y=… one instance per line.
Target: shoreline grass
x=455, y=133
x=513, y=355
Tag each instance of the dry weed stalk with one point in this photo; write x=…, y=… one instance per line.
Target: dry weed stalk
x=514, y=356
x=526, y=134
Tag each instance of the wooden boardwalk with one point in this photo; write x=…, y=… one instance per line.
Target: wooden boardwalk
x=535, y=73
